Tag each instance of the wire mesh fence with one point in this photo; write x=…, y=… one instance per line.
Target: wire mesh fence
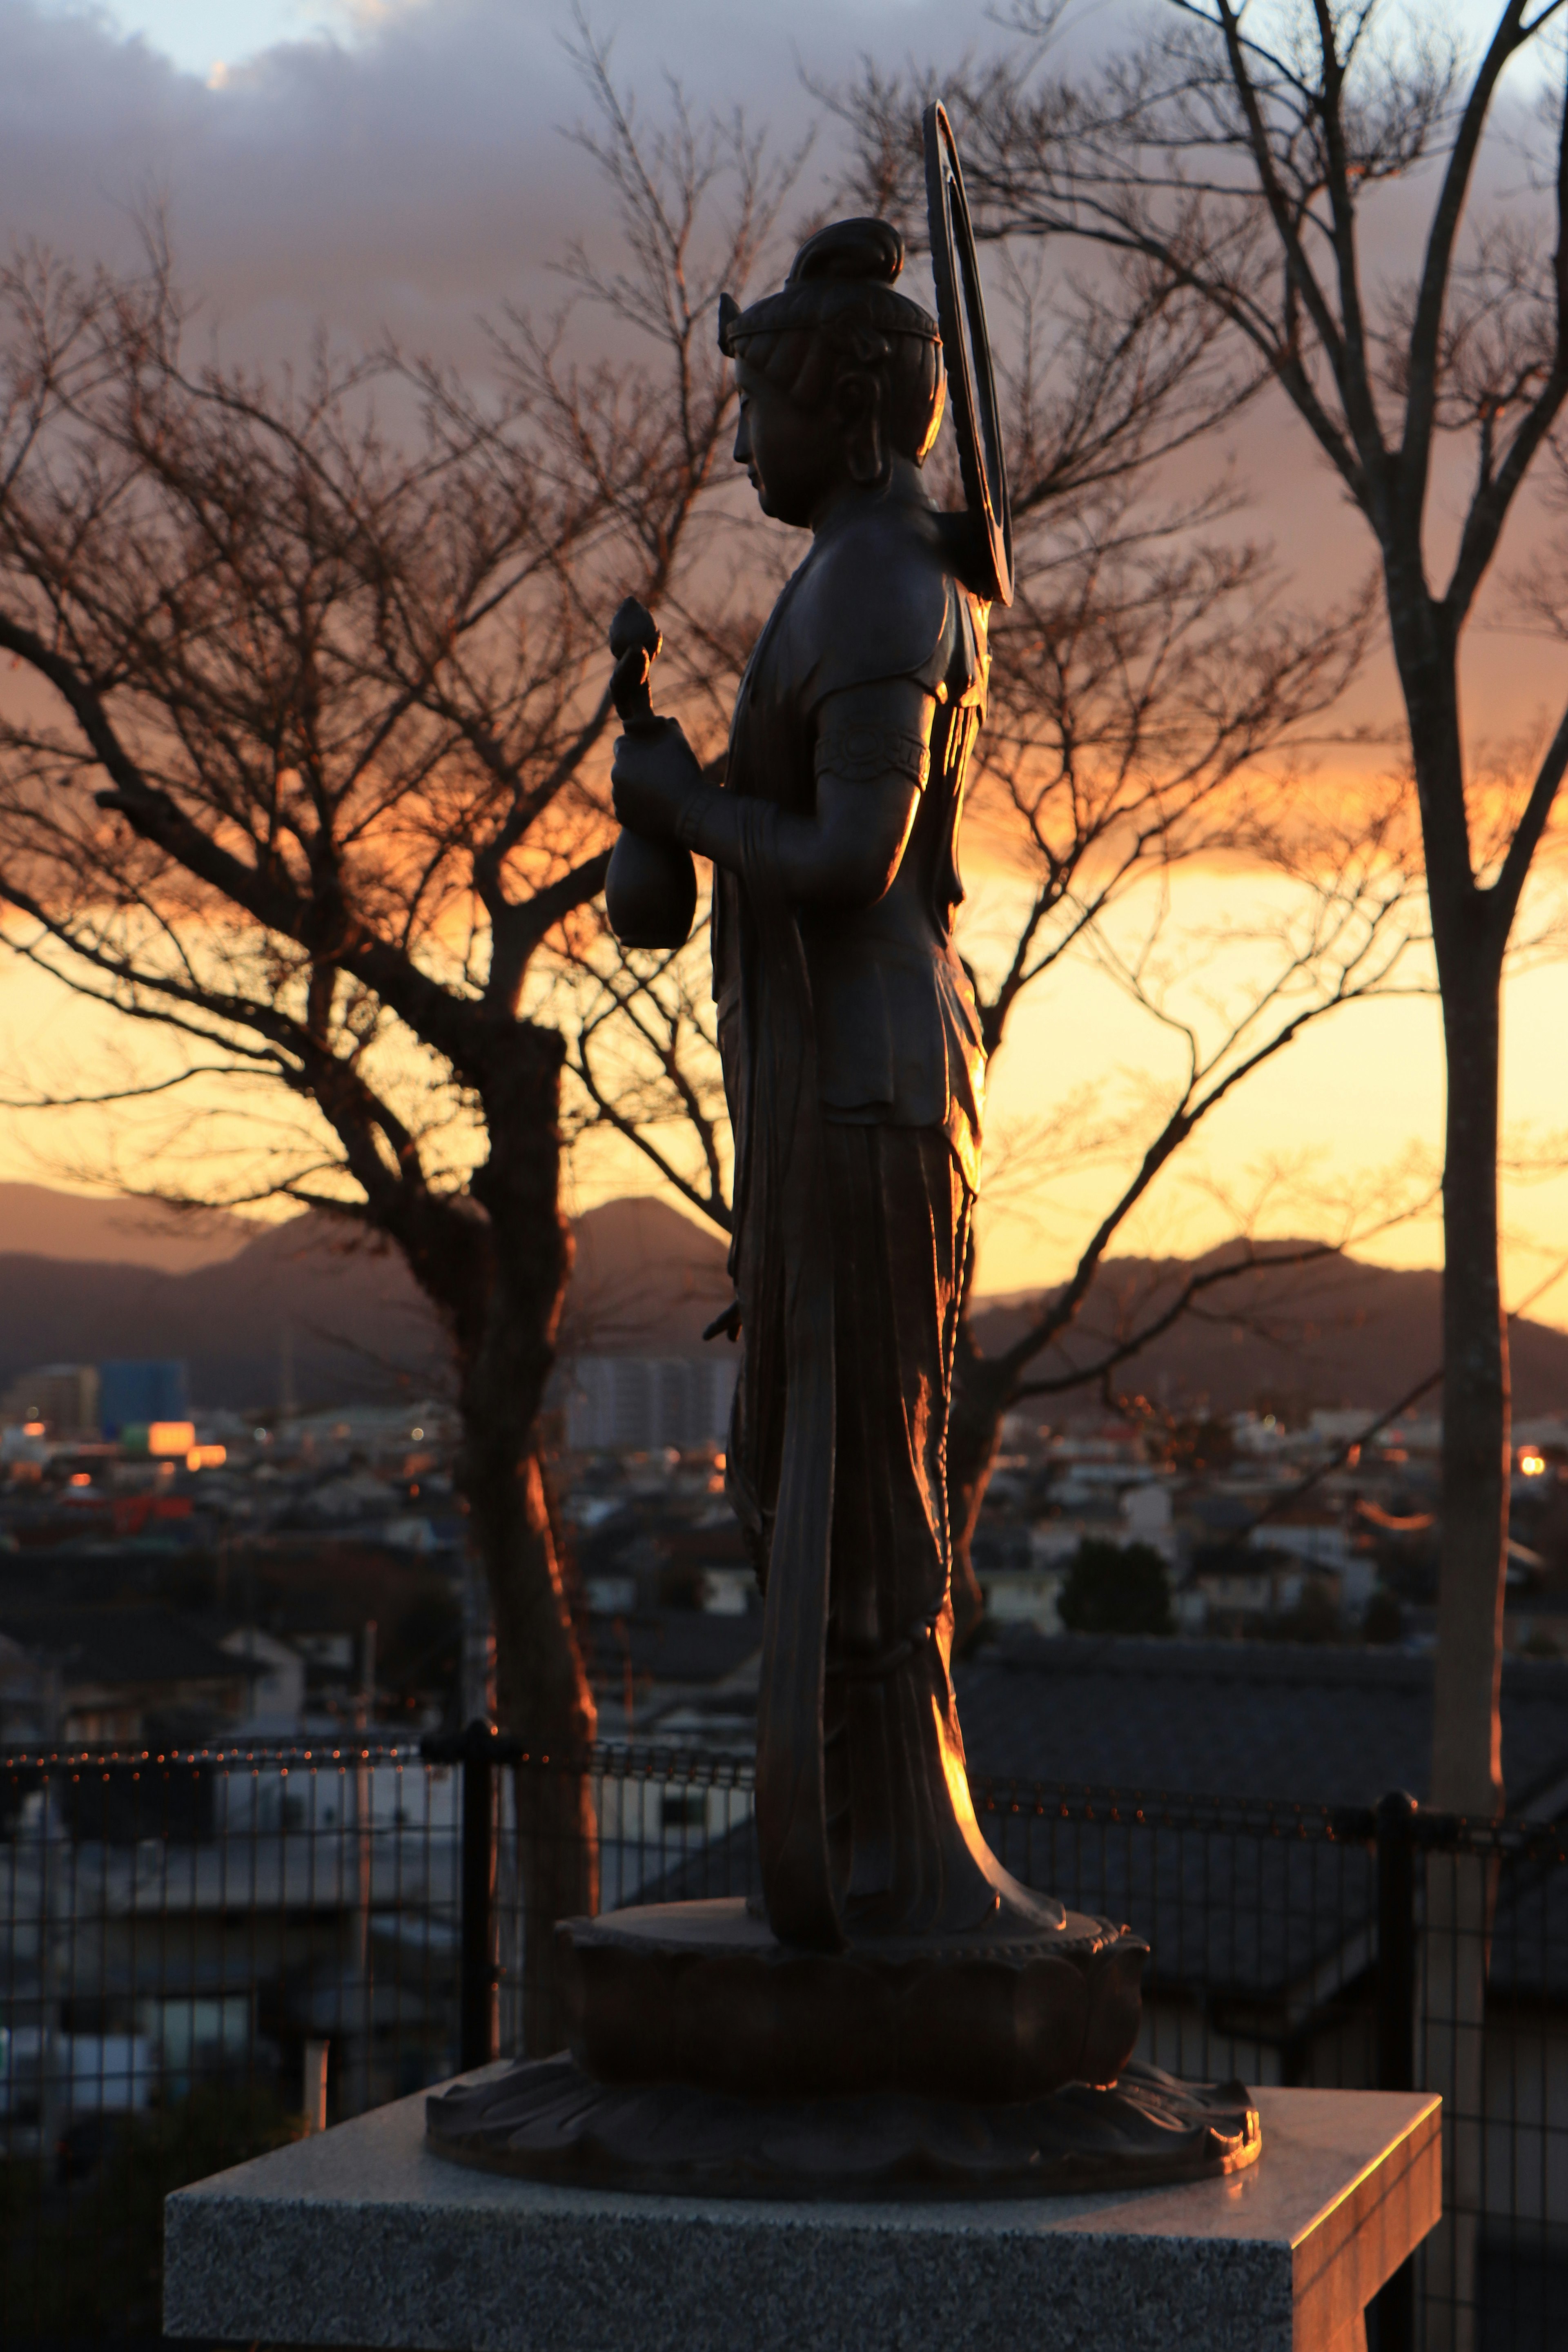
x=203, y=1954
x=182, y=1938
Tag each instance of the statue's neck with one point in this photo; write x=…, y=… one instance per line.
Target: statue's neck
x=905, y=487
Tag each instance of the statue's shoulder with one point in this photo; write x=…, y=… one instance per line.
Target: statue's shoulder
x=874, y=601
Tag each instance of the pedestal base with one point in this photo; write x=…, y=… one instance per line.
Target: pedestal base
x=549, y=2121
x=361, y=2236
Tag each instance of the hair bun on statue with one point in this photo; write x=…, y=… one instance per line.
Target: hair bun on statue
x=866, y=252
x=841, y=283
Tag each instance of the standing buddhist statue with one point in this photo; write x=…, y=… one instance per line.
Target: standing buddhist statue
x=855, y=1074
x=900, y=2017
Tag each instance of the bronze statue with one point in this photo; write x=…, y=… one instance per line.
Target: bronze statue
x=951, y=2019
x=855, y=1074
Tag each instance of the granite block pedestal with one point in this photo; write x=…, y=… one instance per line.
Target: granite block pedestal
x=362, y=2237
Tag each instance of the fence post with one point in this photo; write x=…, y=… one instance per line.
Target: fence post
x=1395, y=2306
x=315, y=2084
x=475, y=2033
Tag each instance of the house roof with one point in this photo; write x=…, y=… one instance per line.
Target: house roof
x=1303, y=1723
x=142, y=1644
x=674, y=1646
x=1258, y=1909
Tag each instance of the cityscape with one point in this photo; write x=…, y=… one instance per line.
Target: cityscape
x=284, y=1610
x=170, y=1575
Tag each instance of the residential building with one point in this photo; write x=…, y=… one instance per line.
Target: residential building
x=275, y=1670
x=122, y=1676
x=637, y=1403
x=1251, y=1585
x=63, y=1397
x=133, y=1392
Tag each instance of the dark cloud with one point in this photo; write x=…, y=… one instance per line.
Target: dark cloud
x=410, y=181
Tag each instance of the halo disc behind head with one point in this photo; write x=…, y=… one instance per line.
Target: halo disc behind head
x=972, y=384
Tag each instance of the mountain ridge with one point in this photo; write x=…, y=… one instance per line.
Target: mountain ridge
x=98, y=1229
x=1337, y=1331
x=311, y=1313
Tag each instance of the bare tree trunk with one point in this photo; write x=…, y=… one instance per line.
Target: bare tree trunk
x=1467, y=1761
x=557, y=1826
x=542, y=1691
x=542, y=1696
x=1467, y=1764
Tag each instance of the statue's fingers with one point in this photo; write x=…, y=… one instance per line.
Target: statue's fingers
x=628, y=684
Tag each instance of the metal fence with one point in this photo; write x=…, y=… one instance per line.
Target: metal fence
x=203, y=1954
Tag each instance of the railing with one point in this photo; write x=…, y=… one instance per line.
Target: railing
x=202, y=1953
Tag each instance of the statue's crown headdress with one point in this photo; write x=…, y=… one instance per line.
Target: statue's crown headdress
x=841, y=280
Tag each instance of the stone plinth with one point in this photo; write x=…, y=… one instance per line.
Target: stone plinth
x=362, y=2237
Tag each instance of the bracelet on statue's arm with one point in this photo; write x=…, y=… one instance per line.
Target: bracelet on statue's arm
x=739, y=833
x=689, y=822
x=862, y=751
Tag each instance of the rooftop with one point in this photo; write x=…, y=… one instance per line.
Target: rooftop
x=1307, y=1722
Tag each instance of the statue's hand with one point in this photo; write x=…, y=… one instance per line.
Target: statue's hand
x=653, y=778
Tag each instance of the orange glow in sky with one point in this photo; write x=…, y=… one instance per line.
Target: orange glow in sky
x=292, y=223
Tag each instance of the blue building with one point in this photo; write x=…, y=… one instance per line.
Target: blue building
x=132, y=1393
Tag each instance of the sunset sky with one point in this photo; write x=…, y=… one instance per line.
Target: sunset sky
x=398, y=163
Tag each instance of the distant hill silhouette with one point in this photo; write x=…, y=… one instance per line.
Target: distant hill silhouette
x=1285, y=1338
x=293, y=1309
x=304, y=1308
x=647, y=1280
x=96, y=1228
x=350, y=1323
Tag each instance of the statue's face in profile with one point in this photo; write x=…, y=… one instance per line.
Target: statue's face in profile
x=795, y=456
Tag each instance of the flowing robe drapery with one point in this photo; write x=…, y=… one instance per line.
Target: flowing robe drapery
x=854, y=1070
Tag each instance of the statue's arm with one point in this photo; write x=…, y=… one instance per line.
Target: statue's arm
x=872, y=745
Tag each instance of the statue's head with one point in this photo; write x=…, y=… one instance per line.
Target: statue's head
x=836, y=365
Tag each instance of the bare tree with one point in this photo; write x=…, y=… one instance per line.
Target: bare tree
x=1238, y=157
x=300, y=766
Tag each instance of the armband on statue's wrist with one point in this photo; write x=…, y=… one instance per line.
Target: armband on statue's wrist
x=689, y=822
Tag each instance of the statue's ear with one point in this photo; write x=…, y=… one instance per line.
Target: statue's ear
x=857, y=405
x=729, y=311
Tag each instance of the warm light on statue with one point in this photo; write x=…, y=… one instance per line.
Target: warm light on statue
x=952, y=2018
